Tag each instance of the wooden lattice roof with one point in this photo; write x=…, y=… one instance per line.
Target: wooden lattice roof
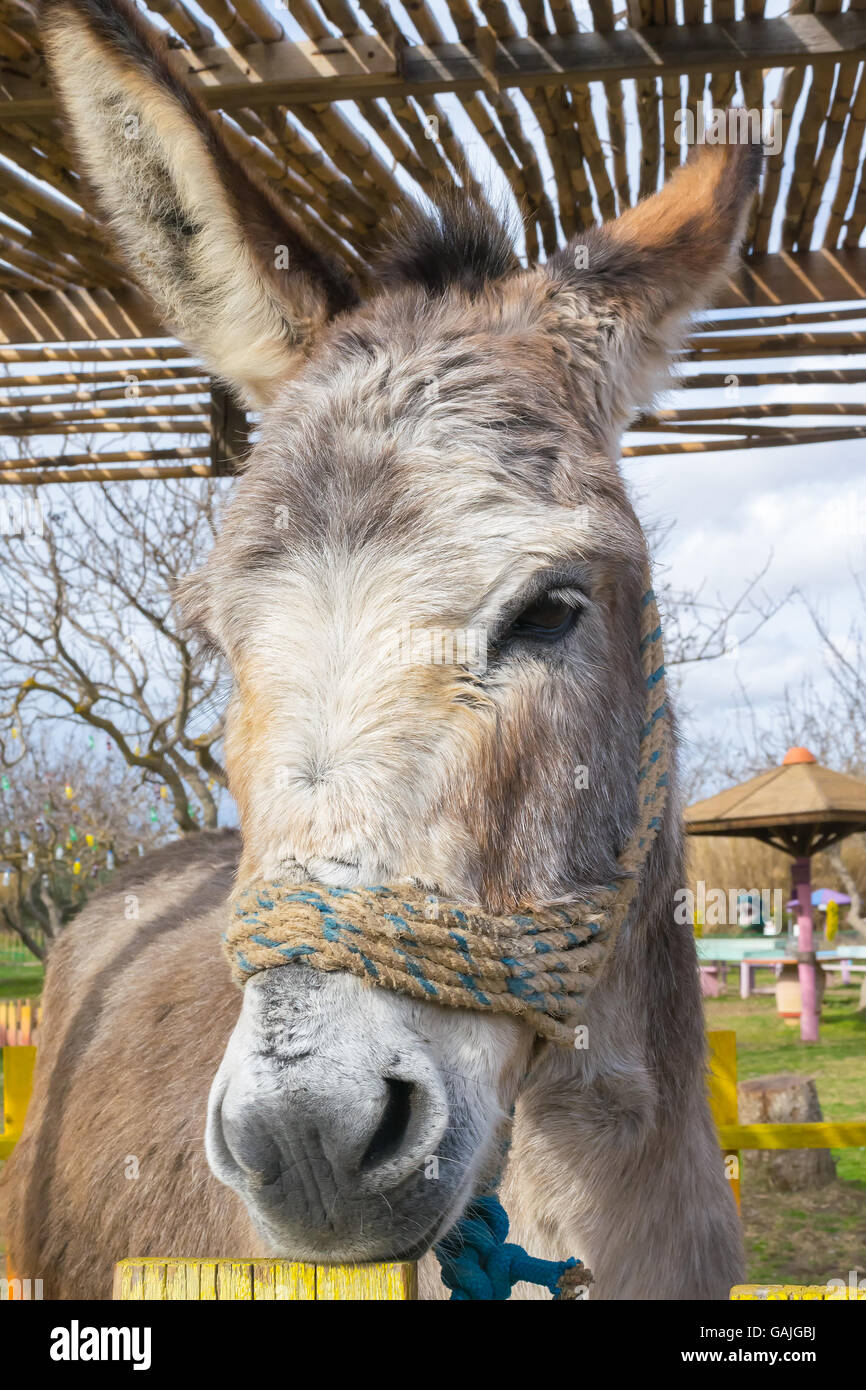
x=568, y=105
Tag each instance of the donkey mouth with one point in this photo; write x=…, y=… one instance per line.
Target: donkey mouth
x=335, y=873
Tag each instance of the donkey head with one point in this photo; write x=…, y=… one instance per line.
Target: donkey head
x=426, y=587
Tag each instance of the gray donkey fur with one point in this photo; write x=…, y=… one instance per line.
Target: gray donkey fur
x=443, y=456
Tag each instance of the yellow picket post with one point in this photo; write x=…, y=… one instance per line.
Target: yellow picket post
x=18, y=1064
x=200, y=1280
x=722, y=1087
x=793, y=1293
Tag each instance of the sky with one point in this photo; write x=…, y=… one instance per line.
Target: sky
x=803, y=510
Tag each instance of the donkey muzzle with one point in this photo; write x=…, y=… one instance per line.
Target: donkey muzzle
x=330, y=1118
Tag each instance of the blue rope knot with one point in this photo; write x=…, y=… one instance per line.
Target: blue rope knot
x=479, y=1265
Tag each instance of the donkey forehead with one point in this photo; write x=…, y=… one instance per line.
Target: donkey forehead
x=450, y=425
x=431, y=457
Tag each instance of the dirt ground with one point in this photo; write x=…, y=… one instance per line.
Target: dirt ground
x=804, y=1237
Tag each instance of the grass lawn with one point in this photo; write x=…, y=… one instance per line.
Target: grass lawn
x=21, y=980
x=804, y=1237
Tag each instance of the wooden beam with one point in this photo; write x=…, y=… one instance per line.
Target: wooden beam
x=98, y=316
x=144, y=472
x=802, y=277
x=823, y=1134
x=363, y=66
x=229, y=430
x=76, y=315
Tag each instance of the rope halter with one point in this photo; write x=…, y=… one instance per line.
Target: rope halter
x=535, y=966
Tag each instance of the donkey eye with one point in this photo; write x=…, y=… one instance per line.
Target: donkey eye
x=549, y=618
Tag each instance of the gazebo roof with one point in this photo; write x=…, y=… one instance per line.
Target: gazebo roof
x=801, y=806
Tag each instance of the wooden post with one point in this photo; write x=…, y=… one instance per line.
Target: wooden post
x=723, y=1096
x=801, y=877
x=201, y=1280
x=795, y=1293
x=228, y=430
x=18, y=1064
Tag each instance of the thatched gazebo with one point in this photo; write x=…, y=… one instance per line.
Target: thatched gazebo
x=800, y=807
x=574, y=111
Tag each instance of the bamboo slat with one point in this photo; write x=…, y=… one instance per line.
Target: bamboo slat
x=603, y=18
x=640, y=15
x=102, y=393
x=811, y=125
x=89, y=352
x=184, y=23
x=792, y=86
x=824, y=376
x=782, y=438
x=70, y=461
x=797, y=317
x=146, y=425
x=227, y=19
x=747, y=412
x=831, y=136
x=850, y=163
x=141, y=473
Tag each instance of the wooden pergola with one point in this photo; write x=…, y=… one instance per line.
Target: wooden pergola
x=345, y=105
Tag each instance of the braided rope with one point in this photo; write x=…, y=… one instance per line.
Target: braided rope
x=535, y=966
x=479, y=1265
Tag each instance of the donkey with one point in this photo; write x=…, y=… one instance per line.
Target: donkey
x=441, y=456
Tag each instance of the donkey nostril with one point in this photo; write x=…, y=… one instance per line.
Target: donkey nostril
x=391, y=1132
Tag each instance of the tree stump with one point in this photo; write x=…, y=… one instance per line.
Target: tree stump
x=787, y=1098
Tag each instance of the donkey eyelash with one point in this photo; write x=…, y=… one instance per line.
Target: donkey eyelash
x=526, y=621
x=573, y=598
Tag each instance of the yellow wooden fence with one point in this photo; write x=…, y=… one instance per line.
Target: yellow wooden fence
x=733, y=1136
x=231, y=1280
x=262, y=1280
x=18, y=1064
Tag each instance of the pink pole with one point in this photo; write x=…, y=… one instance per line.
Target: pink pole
x=801, y=876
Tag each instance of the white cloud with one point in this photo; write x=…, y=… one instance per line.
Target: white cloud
x=805, y=510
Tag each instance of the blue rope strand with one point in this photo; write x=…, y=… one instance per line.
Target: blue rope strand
x=478, y=1265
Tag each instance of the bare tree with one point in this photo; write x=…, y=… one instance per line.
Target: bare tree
x=90, y=635
x=69, y=816
x=700, y=626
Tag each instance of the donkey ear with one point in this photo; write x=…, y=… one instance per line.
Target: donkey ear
x=636, y=280
x=230, y=273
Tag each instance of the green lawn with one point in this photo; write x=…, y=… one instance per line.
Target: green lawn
x=21, y=980
x=804, y=1237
